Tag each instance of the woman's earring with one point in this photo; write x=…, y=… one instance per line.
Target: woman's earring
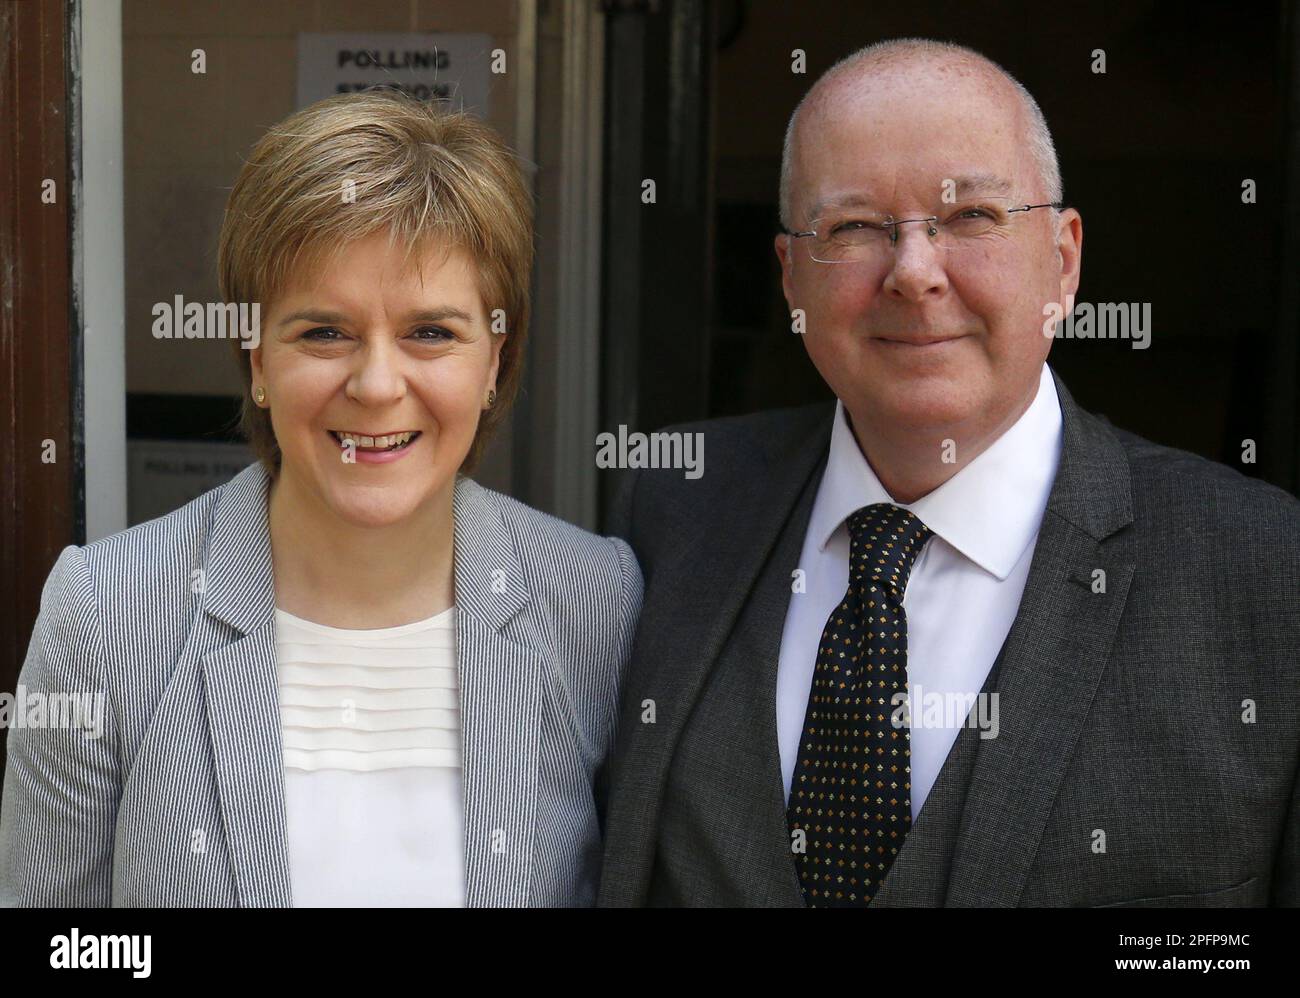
x=492, y=397
x=259, y=395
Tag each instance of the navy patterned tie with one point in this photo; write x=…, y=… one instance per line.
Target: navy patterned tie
x=850, y=802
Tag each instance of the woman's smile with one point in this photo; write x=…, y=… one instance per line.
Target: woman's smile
x=384, y=448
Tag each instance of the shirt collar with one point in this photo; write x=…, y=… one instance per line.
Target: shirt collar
x=989, y=511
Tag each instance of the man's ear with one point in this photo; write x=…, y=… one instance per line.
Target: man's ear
x=1069, y=247
x=783, y=251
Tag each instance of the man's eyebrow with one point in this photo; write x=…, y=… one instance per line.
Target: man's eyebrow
x=965, y=186
x=838, y=201
x=982, y=183
x=326, y=317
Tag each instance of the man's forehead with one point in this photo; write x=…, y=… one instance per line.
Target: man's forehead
x=979, y=183
x=916, y=84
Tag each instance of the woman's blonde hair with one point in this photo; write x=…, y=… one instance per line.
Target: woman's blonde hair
x=356, y=164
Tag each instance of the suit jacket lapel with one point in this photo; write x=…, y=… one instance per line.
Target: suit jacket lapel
x=713, y=562
x=1051, y=664
x=753, y=753
x=501, y=670
x=242, y=695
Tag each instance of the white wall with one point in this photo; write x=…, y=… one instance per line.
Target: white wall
x=98, y=274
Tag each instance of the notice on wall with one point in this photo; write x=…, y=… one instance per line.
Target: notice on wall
x=452, y=67
x=166, y=474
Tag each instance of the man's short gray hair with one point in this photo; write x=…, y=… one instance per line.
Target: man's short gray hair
x=1041, y=147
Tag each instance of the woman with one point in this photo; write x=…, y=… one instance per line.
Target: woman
x=350, y=676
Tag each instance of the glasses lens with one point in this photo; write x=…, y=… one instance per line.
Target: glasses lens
x=971, y=220
x=849, y=237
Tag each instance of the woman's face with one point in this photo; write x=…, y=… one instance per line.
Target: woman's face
x=367, y=346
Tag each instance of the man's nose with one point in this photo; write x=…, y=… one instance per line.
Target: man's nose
x=378, y=379
x=918, y=263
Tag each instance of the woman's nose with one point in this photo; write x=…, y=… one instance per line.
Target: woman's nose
x=378, y=378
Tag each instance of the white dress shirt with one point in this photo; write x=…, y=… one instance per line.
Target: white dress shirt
x=371, y=725
x=965, y=586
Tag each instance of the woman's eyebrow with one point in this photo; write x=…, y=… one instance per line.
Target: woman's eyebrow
x=438, y=314
x=313, y=315
x=417, y=315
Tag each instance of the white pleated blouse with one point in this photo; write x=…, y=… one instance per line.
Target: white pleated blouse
x=371, y=726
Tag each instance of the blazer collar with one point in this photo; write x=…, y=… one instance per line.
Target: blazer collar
x=240, y=584
x=1093, y=488
x=490, y=581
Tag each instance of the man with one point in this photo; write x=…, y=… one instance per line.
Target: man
x=1116, y=619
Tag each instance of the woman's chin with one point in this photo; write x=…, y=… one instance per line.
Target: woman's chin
x=374, y=508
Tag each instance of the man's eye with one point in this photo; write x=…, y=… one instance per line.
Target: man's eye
x=319, y=334
x=852, y=225
x=435, y=333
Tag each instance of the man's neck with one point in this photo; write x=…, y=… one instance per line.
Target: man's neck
x=911, y=463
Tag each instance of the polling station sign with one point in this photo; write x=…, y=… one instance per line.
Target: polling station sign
x=451, y=67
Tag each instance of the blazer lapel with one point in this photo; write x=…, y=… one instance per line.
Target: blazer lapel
x=501, y=670
x=242, y=696
x=1051, y=665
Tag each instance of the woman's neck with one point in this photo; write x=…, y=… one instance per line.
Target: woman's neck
x=341, y=575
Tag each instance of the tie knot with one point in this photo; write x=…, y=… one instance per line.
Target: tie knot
x=884, y=541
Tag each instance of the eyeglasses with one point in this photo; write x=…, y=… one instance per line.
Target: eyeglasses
x=864, y=233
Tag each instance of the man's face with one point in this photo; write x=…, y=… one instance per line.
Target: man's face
x=919, y=337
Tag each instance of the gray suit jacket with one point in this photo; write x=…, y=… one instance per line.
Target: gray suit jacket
x=181, y=801
x=1124, y=772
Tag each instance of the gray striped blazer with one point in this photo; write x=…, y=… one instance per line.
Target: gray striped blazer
x=180, y=800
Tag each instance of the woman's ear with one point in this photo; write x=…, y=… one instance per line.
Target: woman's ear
x=255, y=362
x=498, y=341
